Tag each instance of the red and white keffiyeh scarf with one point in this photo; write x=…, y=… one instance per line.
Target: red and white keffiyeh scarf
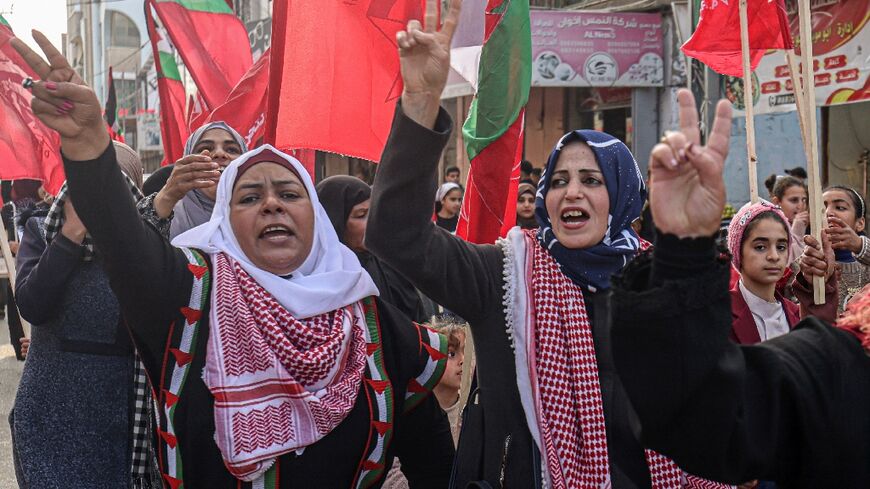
x=279, y=384
x=557, y=373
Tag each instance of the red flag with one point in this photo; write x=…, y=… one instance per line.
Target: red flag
x=337, y=73
x=28, y=149
x=173, y=123
x=716, y=41
x=197, y=113
x=245, y=107
x=211, y=40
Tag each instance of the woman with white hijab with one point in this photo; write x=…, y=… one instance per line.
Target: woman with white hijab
x=274, y=364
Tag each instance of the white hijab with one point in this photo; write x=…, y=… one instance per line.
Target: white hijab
x=331, y=276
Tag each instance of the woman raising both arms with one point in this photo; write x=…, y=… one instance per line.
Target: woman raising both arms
x=274, y=364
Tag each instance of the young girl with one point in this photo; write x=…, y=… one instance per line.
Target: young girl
x=448, y=202
x=759, y=241
x=447, y=391
x=844, y=210
x=526, y=206
x=791, y=195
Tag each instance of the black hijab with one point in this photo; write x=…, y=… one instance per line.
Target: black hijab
x=338, y=195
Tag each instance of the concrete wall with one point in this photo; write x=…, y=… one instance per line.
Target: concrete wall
x=848, y=139
x=778, y=145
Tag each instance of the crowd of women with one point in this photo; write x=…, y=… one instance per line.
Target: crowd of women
x=238, y=326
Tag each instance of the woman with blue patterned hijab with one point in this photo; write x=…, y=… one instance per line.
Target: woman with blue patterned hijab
x=537, y=306
x=592, y=246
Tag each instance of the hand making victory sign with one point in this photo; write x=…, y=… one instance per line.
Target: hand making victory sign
x=424, y=56
x=63, y=102
x=687, y=191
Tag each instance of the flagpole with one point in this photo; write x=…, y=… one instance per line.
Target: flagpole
x=811, y=144
x=747, y=103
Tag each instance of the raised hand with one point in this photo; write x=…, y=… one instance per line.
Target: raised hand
x=64, y=103
x=190, y=172
x=842, y=236
x=687, y=192
x=424, y=56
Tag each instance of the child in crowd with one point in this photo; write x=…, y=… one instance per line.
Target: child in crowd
x=526, y=206
x=447, y=391
x=759, y=241
x=790, y=194
x=844, y=210
x=448, y=202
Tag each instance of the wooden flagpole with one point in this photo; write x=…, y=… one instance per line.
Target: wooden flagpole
x=799, y=96
x=811, y=142
x=747, y=102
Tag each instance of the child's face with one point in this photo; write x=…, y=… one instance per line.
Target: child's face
x=453, y=373
x=794, y=200
x=764, y=254
x=838, y=203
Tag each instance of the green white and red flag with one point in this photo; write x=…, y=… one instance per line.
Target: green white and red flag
x=28, y=149
x=212, y=42
x=493, y=132
x=173, y=123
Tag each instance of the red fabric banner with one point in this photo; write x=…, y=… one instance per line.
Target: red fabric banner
x=211, y=40
x=337, y=74
x=28, y=149
x=245, y=107
x=716, y=41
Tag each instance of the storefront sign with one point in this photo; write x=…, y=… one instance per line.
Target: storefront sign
x=597, y=49
x=841, y=67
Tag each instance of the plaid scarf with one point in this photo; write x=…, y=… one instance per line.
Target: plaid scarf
x=143, y=465
x=561, y=392
x=55, y=218
x=279, y=383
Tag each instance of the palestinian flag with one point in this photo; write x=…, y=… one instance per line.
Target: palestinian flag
x=493, y=132
x=212, y=42
x=111, y=111
x=173, y=123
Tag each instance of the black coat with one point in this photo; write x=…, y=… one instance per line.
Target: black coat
x=795, y=409
x=152, y=281
x=495, y=445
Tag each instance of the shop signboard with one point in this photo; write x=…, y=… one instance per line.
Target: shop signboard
x=596, y=49
x=841, y=66
x=148, y=132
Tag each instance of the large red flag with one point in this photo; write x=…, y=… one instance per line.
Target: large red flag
x=338, y=73
x=28, y=149
x=173, y=123
x=716, y=41
x=211, y=40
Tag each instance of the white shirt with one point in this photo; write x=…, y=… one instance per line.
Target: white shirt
x=769, y=317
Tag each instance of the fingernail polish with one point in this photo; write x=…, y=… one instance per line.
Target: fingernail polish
x=673, y=163
x=682, y=154
x=61, y=111
x=51, y=85
x=67, y=105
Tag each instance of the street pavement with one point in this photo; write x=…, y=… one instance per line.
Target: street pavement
x=10, y=374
